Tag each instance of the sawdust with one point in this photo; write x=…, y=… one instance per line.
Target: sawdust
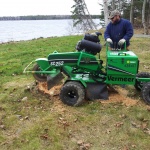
x=54, y=91
x=58, y=106
x=117, y=96
x=120, y=97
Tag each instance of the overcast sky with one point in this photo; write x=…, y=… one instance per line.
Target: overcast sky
x=43, y=7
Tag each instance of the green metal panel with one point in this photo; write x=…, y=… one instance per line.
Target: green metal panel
x=43, y=63
x=73, y=59
x=88, y=61
x=122, y=67
x=83, y=77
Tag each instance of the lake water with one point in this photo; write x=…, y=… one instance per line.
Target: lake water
x=32, y=29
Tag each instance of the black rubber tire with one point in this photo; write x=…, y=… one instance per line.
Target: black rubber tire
x=72, y=93
x=39, y=77
x=138, y=85
x=146, y=93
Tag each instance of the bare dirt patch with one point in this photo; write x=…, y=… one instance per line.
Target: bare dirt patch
x=120, y=97
x=117, y=96
x=53, y=93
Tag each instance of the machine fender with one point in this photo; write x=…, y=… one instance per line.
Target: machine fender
x=43, y=63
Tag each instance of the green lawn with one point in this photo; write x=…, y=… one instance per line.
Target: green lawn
x=30, y=120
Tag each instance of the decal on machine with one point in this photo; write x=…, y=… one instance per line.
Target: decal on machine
x=57, y=63
x=130, y=65
x=131, y=62
x=121, y=79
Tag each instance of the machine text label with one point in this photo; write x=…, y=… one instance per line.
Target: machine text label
x=130, y=65
x=57, y=63
x=121, y=79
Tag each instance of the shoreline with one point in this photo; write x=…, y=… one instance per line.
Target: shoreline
x=77, y=34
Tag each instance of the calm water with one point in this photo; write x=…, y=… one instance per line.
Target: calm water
x=27, y=30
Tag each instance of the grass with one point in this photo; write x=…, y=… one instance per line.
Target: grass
x=30, y=120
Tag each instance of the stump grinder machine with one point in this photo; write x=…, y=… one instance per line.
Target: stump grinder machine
x=86, y=77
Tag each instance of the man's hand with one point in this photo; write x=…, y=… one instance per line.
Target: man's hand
x=121, y=42
x=109, y=40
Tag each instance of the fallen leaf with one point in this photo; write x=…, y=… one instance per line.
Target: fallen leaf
x=144, y=125
x=135, y=125
x=147, y=131
x=86, y=146
x=108, y=131
x=122, y=116
x=44, y=136
x=118, y=124
x=133, y=146
x=2, y=127
x=148, y=108
x=125, y=148
x=80, y=142
x=26, y=117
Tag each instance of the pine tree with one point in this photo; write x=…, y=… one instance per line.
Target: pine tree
x=82, y=17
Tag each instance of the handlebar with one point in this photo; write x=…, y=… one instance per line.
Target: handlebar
x=115, y=47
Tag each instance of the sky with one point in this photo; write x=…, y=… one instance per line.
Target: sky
x=43, y=7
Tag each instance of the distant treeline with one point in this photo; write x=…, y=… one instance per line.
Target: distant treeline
x=42, y=17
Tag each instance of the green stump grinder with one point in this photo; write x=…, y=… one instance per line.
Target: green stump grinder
x=85, y=75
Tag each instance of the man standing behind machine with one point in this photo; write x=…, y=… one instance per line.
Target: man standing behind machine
x=118, y=31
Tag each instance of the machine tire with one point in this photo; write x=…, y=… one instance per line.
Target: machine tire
x=146, y=93
x=39, y=77
x=72, y=93
x=138, y=85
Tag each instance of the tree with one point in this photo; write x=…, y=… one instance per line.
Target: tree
x=113, y=5
x=82, y=17
x=117, y=4
x=145, y=21
x=106, y=12
x=131, y=12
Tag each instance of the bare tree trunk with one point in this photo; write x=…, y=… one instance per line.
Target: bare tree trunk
x=106, y=12
x=148, y=17
x=143, y=15
x=119, y=5
x=113, y=5
x=143, y=18
x=131, y=12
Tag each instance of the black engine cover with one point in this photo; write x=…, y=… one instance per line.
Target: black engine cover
x=91, y=38
x=89, y=46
